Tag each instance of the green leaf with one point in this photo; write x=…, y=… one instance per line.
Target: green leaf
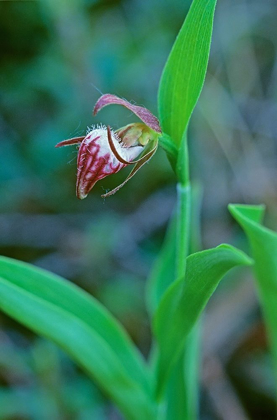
x=170, y=148
x=184, y=73
x=183, y=405
x=264, y=247
x=184, y=301
x=62, y=312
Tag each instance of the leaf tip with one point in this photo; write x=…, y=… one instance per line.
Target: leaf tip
x=251, y=213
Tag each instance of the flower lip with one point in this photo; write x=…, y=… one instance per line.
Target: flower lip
x=96, y=158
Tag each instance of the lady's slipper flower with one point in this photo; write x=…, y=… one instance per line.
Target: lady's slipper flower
x=104, y=152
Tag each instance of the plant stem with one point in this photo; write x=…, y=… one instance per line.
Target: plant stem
x=183, y=208
x=186, y=371
x=182, y=227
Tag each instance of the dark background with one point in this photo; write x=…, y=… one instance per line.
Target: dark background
x=56, y=57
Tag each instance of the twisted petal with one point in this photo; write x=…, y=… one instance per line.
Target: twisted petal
x=70, y=142
x=146, y=116
x=120, y=158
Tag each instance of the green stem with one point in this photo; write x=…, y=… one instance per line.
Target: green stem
x=186, y=371
x=183, y=227
x=183, y=208
x=180, y=401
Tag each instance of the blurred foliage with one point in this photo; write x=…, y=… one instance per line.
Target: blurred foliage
x=56, y=58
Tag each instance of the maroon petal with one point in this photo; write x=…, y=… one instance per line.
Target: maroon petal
x=69, y=142
x=146, y=116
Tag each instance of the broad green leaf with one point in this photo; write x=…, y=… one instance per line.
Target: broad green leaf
x=184, y=73
x=56, y=309
x=185, y=299
x=73, y=299
x=264, y=247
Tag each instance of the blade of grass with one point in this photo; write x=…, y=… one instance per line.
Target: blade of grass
x=264, y=247
x=75, y=302
x=71, y=298
x=82, y=343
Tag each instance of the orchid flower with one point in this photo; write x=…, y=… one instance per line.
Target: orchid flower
x=103, y=152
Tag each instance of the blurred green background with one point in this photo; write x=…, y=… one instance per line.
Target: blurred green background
x=57, y=57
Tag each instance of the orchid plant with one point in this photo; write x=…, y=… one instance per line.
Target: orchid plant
x=183, y=278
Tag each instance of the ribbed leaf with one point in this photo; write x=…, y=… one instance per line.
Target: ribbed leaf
x=184, y=73
x=264, y=247
x=186, y=298
x=183, y=405
x=60, y=311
